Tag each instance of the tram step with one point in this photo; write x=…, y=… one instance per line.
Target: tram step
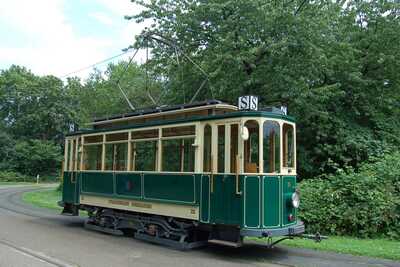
x=171, y=243
x=70, y=210
x=225, y=243
x=110, y=231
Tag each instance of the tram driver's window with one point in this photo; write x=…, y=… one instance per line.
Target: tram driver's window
x=251, y=148
x=288, y=146
x=271, y=146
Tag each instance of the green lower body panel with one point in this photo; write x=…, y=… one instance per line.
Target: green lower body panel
x=160, y=187
x=255, y=204
x=70, y=192
x=170, y=187
x=288, y=188
x=129, y=184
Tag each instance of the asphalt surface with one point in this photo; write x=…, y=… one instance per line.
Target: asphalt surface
x=31, y=236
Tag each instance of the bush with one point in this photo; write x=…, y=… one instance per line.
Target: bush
x=363, y=204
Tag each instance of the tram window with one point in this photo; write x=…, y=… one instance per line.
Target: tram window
x=271, y=147
x=179, y=131
x=221, y=148
x=144, y=155
x=251, y=146
x=116, y=137
x=288, y=146
x=93, y=139
x=116, y=157
x=234, y=146
x=92, y=157
x=207, y=149
x=145, y=134
x=178, y=155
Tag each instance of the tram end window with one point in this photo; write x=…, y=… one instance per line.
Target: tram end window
x=288, y=146
x=271, y=146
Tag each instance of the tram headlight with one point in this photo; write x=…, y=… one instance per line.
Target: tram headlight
x=296, y=199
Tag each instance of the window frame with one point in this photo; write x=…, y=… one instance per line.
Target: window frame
x=285, y=170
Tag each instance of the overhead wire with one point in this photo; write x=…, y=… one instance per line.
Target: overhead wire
x=95, y=64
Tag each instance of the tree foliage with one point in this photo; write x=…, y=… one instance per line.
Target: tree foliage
x=333, y=63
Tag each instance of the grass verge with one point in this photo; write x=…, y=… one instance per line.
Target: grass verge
x=44, y=198
x=375, y=248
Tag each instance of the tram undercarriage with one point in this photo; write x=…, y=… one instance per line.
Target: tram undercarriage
x=177, y=233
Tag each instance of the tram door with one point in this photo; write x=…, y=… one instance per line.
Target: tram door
x=225, y=202
x=71, y=171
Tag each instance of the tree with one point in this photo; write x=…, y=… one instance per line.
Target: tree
x=99, y=96
x=333, y=63
x=37, y=157
x=34, y=107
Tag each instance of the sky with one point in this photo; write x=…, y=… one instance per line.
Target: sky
x=60, y=36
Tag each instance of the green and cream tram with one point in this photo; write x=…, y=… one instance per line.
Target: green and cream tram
x=185, y=175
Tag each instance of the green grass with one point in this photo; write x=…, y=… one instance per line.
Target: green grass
x=375, y=248
x=44, y=198
x=47, y=198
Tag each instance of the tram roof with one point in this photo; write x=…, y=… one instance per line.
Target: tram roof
x=231, y=112
x=167, y=110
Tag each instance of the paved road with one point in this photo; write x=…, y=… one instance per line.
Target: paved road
x=32, y=236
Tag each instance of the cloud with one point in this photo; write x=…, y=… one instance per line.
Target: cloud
x=102, y=18
x=42, y=37
x=120, y=7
